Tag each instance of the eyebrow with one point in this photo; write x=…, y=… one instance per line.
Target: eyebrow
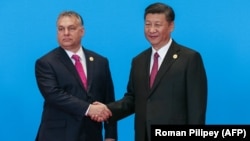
x=67, y=26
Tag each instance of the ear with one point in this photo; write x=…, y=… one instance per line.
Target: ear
x=171, y=26
x=82, y=30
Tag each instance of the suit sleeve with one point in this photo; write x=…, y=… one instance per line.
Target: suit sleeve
x=54, y=94
x=125, y=106
x=196, y=90
x=110, y=128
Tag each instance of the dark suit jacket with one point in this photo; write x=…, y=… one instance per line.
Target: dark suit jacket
x=66, y=100
x=178, y=95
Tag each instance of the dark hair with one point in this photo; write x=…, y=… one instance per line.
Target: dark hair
x=158, y=8
x=71, y=14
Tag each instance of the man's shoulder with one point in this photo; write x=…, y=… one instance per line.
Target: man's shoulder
x=183, y=48
x=94, y=54
x=144, y=53
x=50, y=53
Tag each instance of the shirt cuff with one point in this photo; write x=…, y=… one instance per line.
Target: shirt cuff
x=86, y=113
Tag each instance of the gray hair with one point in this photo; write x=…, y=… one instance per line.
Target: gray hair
x=71, y=14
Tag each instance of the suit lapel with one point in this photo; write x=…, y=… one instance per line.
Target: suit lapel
x=169, y=59
x=147, y=68
x=90, y=67
x=64, y=58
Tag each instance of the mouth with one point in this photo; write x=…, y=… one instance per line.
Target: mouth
x=153, y=36
x=66, y=39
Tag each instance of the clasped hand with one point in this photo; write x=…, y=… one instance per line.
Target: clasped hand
x=99, y=112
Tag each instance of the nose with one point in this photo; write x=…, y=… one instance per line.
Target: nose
x=66, y=31
x=151, y=29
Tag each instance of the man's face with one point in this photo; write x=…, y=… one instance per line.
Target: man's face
x=69, y=33
x=157, y=29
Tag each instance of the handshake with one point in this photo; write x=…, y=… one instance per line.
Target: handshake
x=99, y=112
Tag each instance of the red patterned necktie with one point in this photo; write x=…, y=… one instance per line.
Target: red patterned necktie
x=154, y=69
x=80, y=70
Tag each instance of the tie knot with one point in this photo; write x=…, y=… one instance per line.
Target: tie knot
x=156, y=55
x=76, y=57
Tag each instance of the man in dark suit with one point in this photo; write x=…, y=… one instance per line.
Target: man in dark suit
x=178, y=94
x=67, y=103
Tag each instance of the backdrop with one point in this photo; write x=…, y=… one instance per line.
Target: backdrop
x=218, y=29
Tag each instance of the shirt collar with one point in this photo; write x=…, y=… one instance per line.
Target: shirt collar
x=79, y=53
x=162, y=51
